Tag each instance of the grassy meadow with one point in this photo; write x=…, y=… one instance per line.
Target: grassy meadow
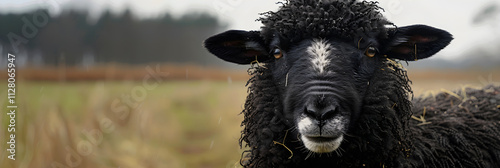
x=130, y=124
x=176, y=124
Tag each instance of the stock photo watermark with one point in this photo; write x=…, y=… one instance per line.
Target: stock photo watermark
x=31, y=26
x=225, y=7
x=489, y=80
x=29, y=30
x=11, y=106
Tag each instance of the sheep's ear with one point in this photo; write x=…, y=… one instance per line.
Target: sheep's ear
x=415, y=42
x=237, y=46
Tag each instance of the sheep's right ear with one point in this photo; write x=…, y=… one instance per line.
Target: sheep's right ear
x=238, y=46
x=415, y=42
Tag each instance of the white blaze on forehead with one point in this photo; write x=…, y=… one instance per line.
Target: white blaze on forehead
x=319, y=51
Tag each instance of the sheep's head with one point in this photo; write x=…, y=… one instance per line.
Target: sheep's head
x=322, y=56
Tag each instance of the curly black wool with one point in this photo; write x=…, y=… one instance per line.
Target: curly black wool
x=460, y=129
x=262, y=119
x=302, y=19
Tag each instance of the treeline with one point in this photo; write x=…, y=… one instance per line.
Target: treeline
x=72, y=38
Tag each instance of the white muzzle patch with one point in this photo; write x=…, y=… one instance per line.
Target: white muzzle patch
x=306, y=125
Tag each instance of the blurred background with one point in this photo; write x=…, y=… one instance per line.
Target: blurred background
x=127, y=83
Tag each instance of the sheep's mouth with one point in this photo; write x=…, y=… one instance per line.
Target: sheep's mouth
x=321, y=144
x=320, y=139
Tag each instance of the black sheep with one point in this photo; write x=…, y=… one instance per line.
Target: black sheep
x=326, y=91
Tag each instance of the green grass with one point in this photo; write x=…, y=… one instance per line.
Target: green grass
x=177, y=124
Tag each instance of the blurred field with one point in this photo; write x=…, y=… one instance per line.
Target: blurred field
x=425, y=82
x=177, y=124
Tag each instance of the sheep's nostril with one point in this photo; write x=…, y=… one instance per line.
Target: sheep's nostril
x=310, y=112
x=329, y=112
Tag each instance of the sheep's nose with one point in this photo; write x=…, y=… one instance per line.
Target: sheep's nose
x=321, y=113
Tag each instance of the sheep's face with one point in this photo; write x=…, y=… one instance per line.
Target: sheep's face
x=322, y=80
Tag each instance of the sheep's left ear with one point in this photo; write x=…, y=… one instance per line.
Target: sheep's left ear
x=415, y=42
x=238, y=46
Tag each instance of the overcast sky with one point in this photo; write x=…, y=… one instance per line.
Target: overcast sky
x=453, y=15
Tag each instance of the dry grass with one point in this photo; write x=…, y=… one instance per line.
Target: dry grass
x=428, y=82
x=178, y=124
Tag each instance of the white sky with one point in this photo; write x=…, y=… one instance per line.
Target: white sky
x=454, y=16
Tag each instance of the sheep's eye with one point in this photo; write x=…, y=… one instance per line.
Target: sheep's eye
x=370, y=51
x=277, y=53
